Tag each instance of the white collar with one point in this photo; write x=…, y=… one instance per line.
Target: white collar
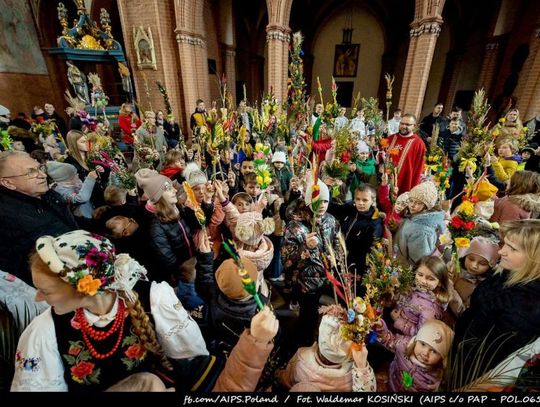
x=102, y=320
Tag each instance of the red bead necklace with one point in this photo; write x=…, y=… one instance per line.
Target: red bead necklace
x=89, y=332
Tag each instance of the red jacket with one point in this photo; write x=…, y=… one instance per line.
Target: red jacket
x=128, y=127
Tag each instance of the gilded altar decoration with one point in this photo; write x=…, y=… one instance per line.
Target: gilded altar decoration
x=86, y=34
x=144, y=48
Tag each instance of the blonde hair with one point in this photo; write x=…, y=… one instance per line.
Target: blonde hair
x=439, y=269
x=71, y=139
x=526, y=234
x=115, y=195
x=142, y=325
x=165, y=212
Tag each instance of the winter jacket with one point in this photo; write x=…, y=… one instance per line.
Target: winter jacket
x=515, y=207
x=303, y=264
x=464, y=285
x=307, y=367
x=451, y=144
x=78, y=197
x=416, y=308
x=172, y=245
x=23, y=219
x=499, y=321
x=261, y=257
x=244, y=365
x=361, y=230
x=230, y=318
x=423, y=379
x=418, y=235
x=504, y=168
x=284, y=176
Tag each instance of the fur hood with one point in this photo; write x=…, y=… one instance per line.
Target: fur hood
x=430, y=219
x=528, y=202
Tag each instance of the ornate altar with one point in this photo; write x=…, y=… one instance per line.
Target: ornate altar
x=88, y=47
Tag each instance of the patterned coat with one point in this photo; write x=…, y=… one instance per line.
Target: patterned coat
x=304, y=264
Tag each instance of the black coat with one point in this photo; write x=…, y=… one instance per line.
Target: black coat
x=171, y=245
x=504, y=318
x=23, y=219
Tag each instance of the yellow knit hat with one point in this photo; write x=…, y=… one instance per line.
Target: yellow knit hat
x=485, y=190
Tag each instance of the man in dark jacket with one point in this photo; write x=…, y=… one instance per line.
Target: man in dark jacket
x=28, y=210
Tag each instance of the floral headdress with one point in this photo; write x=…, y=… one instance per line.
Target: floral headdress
x=87, y=262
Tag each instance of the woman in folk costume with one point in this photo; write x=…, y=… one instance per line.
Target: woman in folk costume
x=99, y=331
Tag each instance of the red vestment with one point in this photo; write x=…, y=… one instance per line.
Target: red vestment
x=407, y=154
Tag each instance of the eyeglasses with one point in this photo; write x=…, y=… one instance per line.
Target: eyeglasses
x=125, y=230
x=32, y=172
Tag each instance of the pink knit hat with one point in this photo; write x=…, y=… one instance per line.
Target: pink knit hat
x=250, y=228
x=484, y=248
x=152, y=183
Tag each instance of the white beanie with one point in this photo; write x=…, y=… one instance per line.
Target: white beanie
x=362, y=147
x=331, y=344
x=279, y=157
x=436, y=334
x=324, y=193
x=426, y=192
x=194, y=175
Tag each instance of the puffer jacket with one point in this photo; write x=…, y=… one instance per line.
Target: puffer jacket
x=418, y=235
x=416, y=308
x=303, y=264
x=171, y=244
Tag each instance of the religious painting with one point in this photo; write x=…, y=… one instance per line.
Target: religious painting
x=346, y=60
x=19, y=45
x=144, y=48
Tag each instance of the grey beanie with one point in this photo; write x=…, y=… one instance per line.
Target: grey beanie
x=60, y=172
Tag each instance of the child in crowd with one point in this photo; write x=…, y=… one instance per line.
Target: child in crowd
x=281, y=171
x=329, y=364
x=521, y=200
x=477, y=263
x=419, y=232
x=75, y=192
x=427, y=300
x=363, y=169
x=419, y=361
x=452, y=141
x=361, y=224
x=174, y=165
x=526, y=154
x=505, y=165
x=233, y=307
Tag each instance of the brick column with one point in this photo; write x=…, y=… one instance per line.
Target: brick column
x=528, y=89
x=424, y=33
x=278, y=38
x=189, y=46
x=153, y=14
x=489, y=66
x=229, y=54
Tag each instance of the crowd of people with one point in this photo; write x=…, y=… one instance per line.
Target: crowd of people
x=123, y=232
